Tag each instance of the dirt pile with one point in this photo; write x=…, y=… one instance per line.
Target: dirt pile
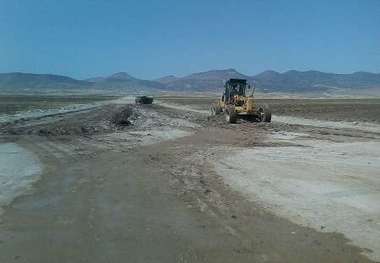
x=101, y=120
x=122, y=117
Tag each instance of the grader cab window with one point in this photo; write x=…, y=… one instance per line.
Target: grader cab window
x=234, y=87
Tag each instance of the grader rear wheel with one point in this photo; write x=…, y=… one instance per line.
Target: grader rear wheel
x=231, y=116
x=268, y=116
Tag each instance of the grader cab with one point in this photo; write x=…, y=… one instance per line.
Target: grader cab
x=235, y=103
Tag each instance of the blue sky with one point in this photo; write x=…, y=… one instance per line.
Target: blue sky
x=149, y=39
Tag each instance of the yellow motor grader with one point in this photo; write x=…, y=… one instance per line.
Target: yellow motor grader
x=235, y=103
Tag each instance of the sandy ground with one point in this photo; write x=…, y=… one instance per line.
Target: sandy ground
x=177, y=186
x=19, y=169
x=331, y=187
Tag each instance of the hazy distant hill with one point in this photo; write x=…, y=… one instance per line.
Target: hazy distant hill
x=22, y=82
x=272, y=81
x=27, y=81
x=213, y=80
x=209, y=80
x=167, y=79
x=95, y=79
x=124, y=81
x=307, y=81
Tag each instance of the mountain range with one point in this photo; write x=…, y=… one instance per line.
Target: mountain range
x=210, y=81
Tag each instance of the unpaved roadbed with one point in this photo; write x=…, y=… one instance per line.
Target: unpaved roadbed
x=152, y=192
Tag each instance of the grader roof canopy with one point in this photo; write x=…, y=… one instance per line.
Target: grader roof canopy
x=236, y=81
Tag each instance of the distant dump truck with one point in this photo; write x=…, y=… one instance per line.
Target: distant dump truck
x=144, y=100
x=236, y=103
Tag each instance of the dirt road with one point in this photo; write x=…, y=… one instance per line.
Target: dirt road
x=152, y=192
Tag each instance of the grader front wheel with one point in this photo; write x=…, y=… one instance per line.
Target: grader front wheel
x=212, y=110
x=215, y=109
x=265, y=113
